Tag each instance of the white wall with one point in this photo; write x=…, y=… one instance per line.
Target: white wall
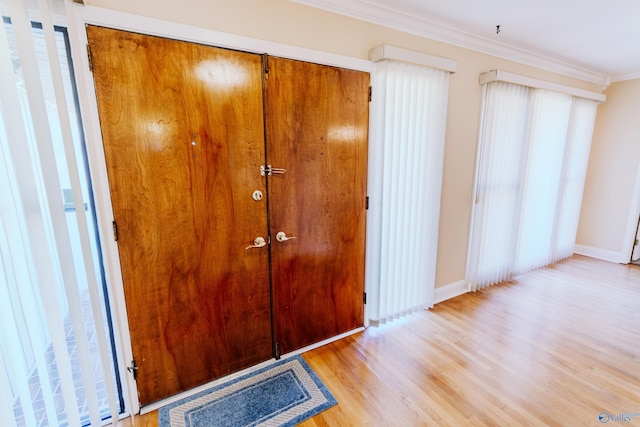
x=290, y=23
x=611, y=202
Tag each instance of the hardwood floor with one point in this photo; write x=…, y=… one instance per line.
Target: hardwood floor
x=557, y=346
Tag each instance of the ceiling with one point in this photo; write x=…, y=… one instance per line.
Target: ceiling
x=596, y=41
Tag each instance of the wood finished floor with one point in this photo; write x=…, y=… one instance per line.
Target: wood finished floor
x=555, y=347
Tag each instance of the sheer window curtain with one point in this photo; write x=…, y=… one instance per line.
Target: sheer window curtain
x=50, y=374
x=410, y=118
x=531, y=165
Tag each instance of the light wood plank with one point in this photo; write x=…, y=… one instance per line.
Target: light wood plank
x=555, y=347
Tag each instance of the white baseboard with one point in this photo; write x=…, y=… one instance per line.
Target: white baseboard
x=449, y=291
x=602, y=254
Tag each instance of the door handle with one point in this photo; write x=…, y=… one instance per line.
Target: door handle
x=281, y=236
x=270, y=170
x=257, y=243
x=277, y=171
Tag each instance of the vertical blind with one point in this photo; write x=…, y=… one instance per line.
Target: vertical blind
x=55, y=356
x=532, y=158
x=411, y=117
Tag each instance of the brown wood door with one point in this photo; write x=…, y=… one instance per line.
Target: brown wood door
x=182, y=126
x=317, y=122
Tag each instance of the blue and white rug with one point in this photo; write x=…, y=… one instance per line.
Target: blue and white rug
x=283, y=394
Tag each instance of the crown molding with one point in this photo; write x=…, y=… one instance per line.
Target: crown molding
x=427, y=28
x=625, y=77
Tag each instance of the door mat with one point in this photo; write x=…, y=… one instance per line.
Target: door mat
x=283, y=394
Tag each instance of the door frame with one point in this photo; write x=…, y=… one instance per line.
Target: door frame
x=633, y=221
x=78, y=16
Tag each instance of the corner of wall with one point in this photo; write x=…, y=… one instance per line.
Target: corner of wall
x=449, y=291
x=601, y=254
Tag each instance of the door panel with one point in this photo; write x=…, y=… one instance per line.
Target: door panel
x=317, y=122
x=182, y=126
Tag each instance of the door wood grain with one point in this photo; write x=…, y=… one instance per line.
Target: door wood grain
x=317, y=123
x=183, y=134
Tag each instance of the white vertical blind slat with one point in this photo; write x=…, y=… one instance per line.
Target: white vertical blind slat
x=69, y=273
x=40, y=260
x=36, y=225
x=10, y=363
x=375, y=185
x=55, y=208
x=438, y=108
x=497, y=184
x=415, y=99
x=541, y=183
x=577, y=158
x=16, y=264
x=6, y=397
x=16, y=359
x=527, y=206
x=386, y=292
x=414, y=226
x=93, y=287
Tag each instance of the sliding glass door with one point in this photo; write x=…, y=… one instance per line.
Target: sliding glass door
x=57, y=352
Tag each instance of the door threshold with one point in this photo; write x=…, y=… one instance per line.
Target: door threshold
x=321, y=343
x=169, y=400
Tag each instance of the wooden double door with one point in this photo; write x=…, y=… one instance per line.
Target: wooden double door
x=238, y=188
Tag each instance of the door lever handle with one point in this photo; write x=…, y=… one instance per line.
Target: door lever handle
x=257, y=243
x=281, y=236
